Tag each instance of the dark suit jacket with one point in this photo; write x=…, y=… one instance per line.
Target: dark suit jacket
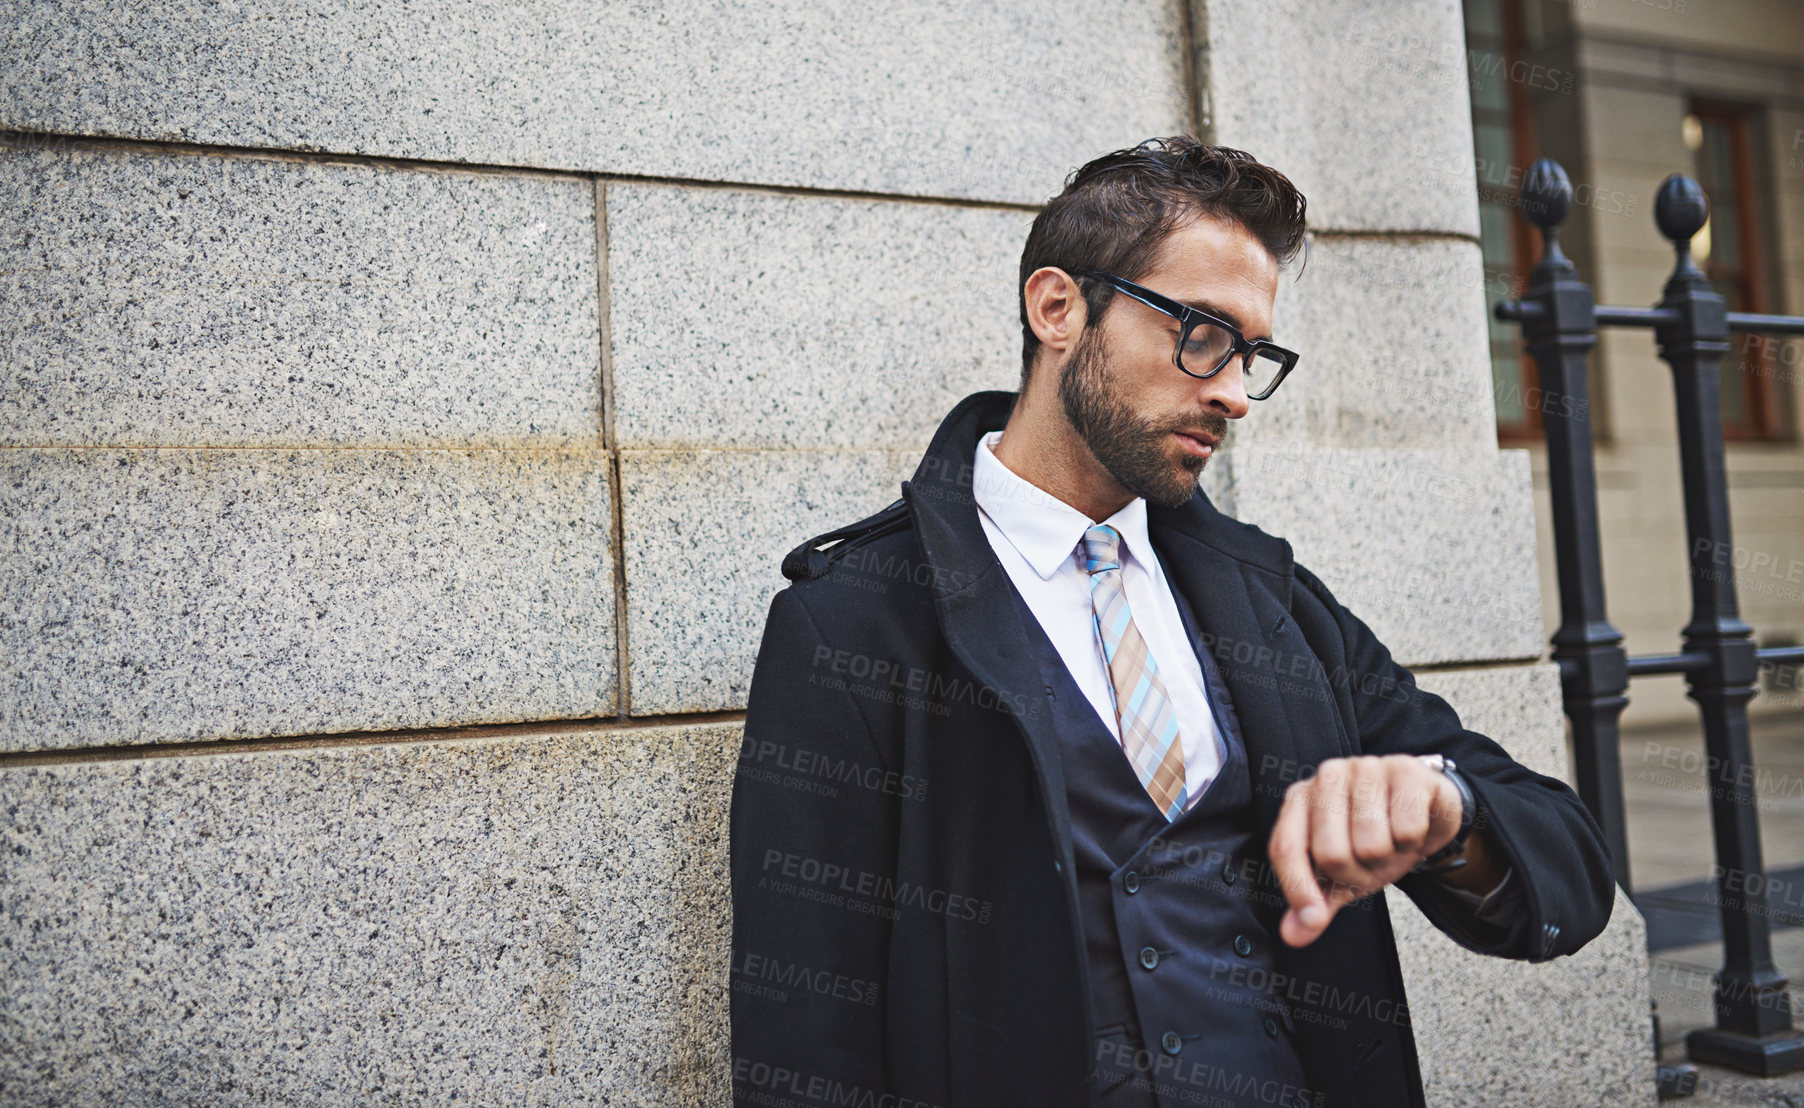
x=905, y=915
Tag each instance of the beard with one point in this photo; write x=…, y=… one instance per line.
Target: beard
x=1136, y=452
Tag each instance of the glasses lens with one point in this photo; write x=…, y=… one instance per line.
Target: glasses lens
x=1262, y=371
x=1205, y=348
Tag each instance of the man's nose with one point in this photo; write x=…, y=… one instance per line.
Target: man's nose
x=1226, y=391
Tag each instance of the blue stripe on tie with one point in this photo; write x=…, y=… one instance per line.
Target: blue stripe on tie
x=1118, y=623
x=1141, y=689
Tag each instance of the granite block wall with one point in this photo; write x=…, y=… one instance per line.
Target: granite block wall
x=405, y=411
x=295, y=447
x=480, y=920
x=978, y=102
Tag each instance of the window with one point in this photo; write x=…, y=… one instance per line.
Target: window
x=1503, y=136
x=1729, y=250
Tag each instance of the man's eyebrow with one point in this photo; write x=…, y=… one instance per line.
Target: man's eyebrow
x=1223, y=313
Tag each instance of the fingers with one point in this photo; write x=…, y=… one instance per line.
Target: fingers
x=1411, y=819
x=1346, y=828
x=1356, y=825
x=1308, y=912
x=1444, y=813
x=1369, y=828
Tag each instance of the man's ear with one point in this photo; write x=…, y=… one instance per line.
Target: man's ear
x=1055, y=308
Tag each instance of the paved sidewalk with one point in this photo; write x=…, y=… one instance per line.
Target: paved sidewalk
x=1670, y=844
x=1681, y=987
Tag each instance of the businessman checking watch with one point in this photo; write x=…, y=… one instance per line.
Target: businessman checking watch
x=1060, y=786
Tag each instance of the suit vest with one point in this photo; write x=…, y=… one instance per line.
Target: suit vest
x=1181, y=960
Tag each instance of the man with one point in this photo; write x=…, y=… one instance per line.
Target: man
x=1059, y=787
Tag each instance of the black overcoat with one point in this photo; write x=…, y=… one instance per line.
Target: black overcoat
x=906, y=925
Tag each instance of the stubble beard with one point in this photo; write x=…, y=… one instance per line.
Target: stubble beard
x=1134, y=451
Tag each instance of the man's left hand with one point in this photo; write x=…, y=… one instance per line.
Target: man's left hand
x=1356, y=826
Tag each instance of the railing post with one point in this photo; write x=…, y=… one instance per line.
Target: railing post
x=1753, y=1031
x=1559, y=323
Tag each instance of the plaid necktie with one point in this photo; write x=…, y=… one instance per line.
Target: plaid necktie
x=1149, y=724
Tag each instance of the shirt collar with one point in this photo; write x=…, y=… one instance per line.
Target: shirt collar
x=1045, y=529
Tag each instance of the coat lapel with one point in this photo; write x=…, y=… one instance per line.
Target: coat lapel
x=1287, y=719
x=976, y=609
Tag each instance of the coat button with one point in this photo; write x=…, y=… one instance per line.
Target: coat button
x=1228, y=875
x=1271, y=1027
x=1149, y=957
x=1171, y=1042
x=1243, y=946
x=1058, y=866
x=1131, y=882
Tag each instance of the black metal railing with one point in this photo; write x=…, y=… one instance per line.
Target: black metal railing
x=1718, y=656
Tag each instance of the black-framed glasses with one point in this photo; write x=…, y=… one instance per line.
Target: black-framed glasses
x=1206, y=342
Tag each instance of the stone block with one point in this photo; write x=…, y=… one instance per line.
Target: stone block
x=989, y=101
x=152, y=299
x=1519, y=706
x=1394, y=350
x=704, y=535
x=1576, y=1030
x=178, y=595
x=746, y=319
x=505, y=920
x=1396, y=155
x=1435, y=551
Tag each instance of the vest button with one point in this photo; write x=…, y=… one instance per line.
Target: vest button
x=1243, y=946
x=1171, y=1042
x=1131, y=882
x=1149, y=957
x=1271, y=1027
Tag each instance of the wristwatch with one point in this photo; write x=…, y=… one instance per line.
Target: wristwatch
x=1443, y=859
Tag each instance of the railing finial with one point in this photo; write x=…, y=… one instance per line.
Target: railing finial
x=1546, y=194
x=1680, y=211
x=1546, y=199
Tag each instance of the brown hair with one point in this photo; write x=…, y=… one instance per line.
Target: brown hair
x=1115, y=212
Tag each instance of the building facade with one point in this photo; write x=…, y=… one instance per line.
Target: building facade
x=1623, y=93
x=408, y=407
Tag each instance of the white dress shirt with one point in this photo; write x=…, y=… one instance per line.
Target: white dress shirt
x=1039, y=540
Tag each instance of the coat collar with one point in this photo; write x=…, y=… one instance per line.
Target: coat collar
x=944, y=476
x=1237, y=578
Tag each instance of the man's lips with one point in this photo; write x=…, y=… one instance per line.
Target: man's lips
x=1197, y=442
